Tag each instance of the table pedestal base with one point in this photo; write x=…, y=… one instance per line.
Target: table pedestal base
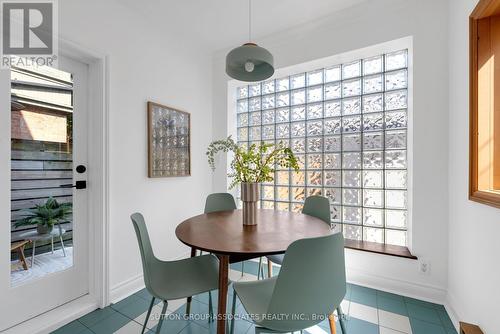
x=223, y=285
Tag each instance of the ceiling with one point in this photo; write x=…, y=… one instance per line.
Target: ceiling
x=218, y=24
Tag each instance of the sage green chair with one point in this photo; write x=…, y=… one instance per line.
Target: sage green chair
x=219, y=202
x=316, y=206
x=319, y=207
x=311, y=281
x=168, y=280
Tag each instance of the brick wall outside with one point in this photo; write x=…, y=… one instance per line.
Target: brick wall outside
x=34, y=123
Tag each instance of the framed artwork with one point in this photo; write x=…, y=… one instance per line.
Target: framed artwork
x=169, y=141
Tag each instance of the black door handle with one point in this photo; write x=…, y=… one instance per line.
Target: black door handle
x=77, y=185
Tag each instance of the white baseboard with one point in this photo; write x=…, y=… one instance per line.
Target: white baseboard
x=425, y=292
x=126, y=288
x=49, y=321
x=454, y=315
x=132, y=285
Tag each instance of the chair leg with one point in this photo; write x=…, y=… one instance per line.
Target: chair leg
x=260, y=269
x=147, y=315
x=331, y=320
x=52, y=244
x=188, y=305
x=33, y=253
x=341, y=320
x=242, y=268
x=269, y=268
x=210, y=307
x=162, y=316
x=22, y=258
x=62, y=245
x=233, y=312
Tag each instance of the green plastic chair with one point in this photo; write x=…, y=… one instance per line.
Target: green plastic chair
x=316, y=206
x=219, y=202
x=168, y=280
x=319, y=207
x=311, y=282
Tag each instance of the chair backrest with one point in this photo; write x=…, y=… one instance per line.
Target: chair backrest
x=220, y=202
x=319, y=207
x=311, y=282
x=147, y=256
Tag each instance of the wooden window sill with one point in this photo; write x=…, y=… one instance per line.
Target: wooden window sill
x=491, y=198
x=373, y=247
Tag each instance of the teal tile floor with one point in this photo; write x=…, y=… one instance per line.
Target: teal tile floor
x=367, y=311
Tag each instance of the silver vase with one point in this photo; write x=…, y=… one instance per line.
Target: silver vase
x=250, y=197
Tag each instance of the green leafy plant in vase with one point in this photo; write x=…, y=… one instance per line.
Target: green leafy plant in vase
x=46, y=215
x=252, y=166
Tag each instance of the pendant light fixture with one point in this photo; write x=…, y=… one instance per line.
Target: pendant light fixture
x=249, y=62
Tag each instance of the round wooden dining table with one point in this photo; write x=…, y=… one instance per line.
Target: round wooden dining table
x=223, y=234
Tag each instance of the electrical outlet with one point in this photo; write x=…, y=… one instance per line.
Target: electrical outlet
x=424, y=267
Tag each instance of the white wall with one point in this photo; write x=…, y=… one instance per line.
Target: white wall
x=361, y=26
x=474, y=269
x=146, y=63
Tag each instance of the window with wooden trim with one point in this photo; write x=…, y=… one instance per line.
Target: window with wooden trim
x=484, y=179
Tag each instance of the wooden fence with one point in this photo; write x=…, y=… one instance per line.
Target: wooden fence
x=36, y=176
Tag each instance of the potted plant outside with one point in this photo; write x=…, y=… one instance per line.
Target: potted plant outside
x=46, y=215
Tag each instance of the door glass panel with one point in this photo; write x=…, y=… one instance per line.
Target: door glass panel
x=41, y=172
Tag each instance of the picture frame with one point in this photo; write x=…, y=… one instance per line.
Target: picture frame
x=169, y=141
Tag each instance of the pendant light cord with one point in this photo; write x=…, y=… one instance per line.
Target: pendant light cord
x=249, y=20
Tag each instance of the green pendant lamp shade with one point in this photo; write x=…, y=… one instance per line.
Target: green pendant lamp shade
x=249, y=62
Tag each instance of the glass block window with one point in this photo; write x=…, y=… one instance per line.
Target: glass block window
x=347, y=124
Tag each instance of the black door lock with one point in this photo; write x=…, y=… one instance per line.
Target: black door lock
x=81, y=169
x=78, y=185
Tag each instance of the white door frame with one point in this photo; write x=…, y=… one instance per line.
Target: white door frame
x=98, y=178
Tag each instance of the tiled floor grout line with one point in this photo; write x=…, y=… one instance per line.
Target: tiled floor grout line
x=126, y=316
x=86, y=325
x=378, y=313
x=392, y=329
x=428, y=322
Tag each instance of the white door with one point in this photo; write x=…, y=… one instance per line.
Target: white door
x=47, y=143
